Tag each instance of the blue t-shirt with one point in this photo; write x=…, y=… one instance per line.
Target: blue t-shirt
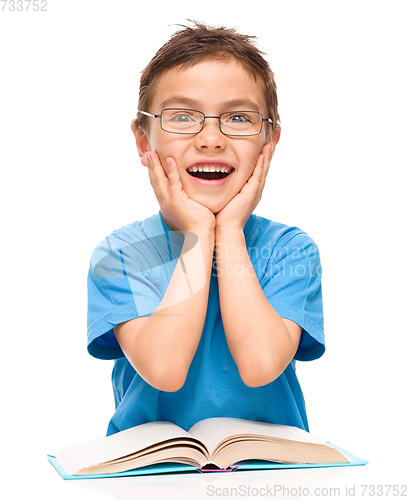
x=128, y=277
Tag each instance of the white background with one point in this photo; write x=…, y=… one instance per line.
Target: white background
x=70, y=175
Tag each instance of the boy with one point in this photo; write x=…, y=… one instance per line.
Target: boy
x=205, y=306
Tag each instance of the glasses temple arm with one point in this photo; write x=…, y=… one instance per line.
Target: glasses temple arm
x=148, y=114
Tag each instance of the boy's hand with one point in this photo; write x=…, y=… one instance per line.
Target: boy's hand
x=235, y=214
x=185, y=213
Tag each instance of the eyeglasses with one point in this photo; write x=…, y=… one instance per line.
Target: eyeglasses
x=189, y=121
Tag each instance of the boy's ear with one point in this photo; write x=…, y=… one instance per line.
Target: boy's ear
x=142, y=142
x=276, y=134
x=274, y=139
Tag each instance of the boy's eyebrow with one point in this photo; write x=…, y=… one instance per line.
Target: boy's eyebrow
x=238, y=103
x=178, y=99
x=193, y=104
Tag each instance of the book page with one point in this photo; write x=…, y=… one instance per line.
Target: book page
x=122, y=443
x=212, y=431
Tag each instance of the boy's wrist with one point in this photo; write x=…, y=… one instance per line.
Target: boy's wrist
x=204, y=237
x=203, y=233
x=222, y=232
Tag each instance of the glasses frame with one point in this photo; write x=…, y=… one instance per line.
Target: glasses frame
x=151, y=115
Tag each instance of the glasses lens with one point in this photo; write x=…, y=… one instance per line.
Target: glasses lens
x=181, y=121
x=241, y=123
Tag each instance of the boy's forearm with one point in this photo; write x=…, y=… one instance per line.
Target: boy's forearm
x=258, y=338
x=165, y=345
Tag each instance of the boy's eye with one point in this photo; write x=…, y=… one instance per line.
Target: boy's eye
x=182, y=117
x=237, y=118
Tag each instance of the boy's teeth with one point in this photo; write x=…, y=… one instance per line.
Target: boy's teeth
x=205, y=168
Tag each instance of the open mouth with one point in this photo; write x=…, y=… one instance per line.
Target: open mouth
x=210, y=173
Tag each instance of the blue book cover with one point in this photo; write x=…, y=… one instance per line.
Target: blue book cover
x=176, y=468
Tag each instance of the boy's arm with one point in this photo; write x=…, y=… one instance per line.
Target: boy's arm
x=161, y=347
x=261, y=342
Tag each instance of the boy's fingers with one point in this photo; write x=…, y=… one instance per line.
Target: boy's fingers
x=258, y=169
x=158, y=180
x=267, y=153
x=154, y=162
x=262, y=166
x=158, y=173
x=174, y=177
x=154, y=183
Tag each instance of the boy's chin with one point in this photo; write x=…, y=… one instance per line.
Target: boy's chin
x=214, y=207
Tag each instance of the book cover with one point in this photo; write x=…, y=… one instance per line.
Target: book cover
x=177, y=468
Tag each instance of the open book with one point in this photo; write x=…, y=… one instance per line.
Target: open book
x=214, y=443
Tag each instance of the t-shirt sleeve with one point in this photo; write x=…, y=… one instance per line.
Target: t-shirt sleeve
x=116, y=293
x=292, y=285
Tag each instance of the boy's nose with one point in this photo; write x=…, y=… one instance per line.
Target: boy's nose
x=210, y=136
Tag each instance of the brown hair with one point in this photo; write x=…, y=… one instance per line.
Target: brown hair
x=192, y=45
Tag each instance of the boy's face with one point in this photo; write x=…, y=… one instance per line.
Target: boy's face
x=213, y=87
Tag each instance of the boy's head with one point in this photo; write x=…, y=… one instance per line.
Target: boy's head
x=199, y=43
x=212, y=72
